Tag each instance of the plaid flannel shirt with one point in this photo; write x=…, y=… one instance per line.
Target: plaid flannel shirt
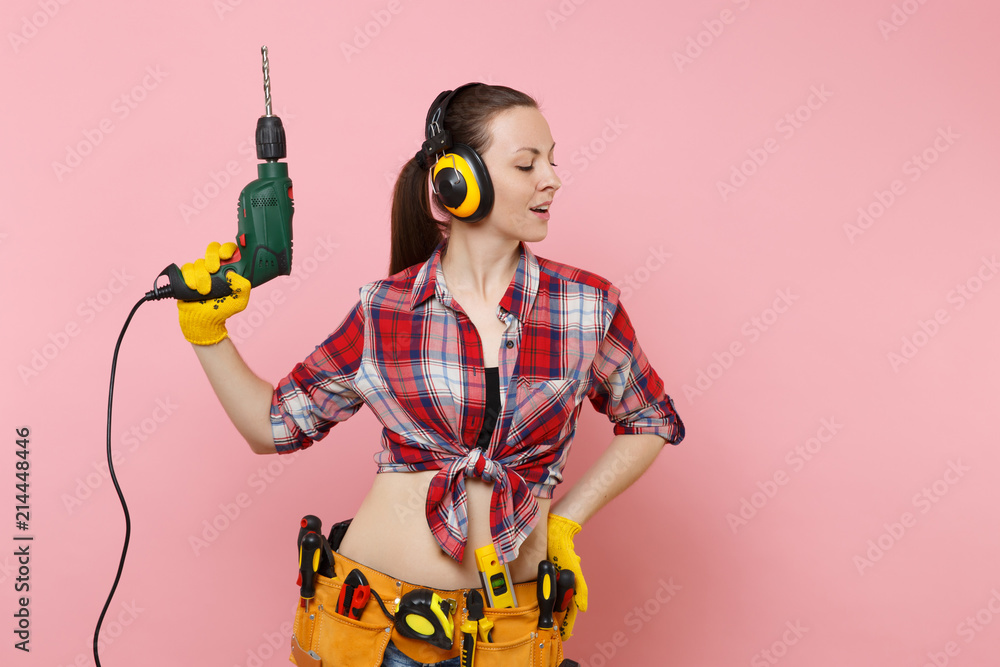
x=409, y=351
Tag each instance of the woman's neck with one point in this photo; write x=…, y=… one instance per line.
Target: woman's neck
x=478, y=269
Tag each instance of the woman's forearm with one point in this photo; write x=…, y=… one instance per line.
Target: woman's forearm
x=622, y=463
x=245, y=397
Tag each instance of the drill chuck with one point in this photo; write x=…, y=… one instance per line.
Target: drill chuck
x=270, y=137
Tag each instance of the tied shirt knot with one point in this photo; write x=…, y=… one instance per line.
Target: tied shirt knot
x=513, y=510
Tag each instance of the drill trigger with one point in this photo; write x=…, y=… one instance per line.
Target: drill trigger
x=236, y=256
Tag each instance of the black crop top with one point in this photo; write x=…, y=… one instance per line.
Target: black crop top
x=492, y=406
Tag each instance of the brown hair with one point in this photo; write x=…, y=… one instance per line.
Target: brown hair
x=416, y=231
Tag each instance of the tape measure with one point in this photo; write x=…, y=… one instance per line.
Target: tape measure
x=423, y=614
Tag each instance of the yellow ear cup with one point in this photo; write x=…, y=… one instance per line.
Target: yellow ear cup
x=456, y=185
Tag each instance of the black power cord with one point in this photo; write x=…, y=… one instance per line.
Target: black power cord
x=155, y=294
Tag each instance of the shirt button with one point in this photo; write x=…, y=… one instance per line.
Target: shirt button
x=510, y=344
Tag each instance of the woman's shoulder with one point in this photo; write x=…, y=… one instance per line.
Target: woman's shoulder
x=567, y=273
x=395, y=289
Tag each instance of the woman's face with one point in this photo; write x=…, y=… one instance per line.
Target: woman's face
x=521, y=164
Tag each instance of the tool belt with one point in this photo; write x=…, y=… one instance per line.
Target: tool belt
x=323, y=638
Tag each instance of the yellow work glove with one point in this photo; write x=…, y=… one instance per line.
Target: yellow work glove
x=204, y=322
x=562, y=553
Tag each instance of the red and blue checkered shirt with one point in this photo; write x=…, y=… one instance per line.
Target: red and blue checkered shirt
x=409, y=351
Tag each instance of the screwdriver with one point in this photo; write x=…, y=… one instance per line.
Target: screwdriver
x=565, y=588
x=309, y=524
x=309, y=555
x=546, y=593
x=313, y=524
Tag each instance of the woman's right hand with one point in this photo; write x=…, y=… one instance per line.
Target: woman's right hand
x=204, y=322
x=562, y=552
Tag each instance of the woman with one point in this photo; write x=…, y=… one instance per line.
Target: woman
x=475, y=355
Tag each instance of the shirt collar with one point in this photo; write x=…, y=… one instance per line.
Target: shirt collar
x=517, y=300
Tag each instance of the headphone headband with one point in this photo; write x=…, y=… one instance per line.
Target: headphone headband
x=437, y=139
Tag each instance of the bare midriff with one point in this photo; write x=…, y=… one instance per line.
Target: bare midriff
x=389, y=533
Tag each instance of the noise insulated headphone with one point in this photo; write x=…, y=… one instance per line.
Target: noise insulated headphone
x=458, y=173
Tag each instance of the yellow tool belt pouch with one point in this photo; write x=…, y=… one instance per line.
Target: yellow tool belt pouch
x=322, y=637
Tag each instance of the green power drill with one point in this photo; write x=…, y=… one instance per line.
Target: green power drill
x=264, y=215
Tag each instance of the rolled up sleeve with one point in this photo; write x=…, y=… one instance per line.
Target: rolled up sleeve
x=319, y=392
x=626, y=388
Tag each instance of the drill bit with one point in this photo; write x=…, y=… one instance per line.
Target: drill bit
x=270, y=133
x=267, y=83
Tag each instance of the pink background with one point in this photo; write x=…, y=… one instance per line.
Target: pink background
x=880, y=549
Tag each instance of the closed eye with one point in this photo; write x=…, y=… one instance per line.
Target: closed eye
x=531, y=166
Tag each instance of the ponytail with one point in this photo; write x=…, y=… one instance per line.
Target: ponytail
x=415, y=231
